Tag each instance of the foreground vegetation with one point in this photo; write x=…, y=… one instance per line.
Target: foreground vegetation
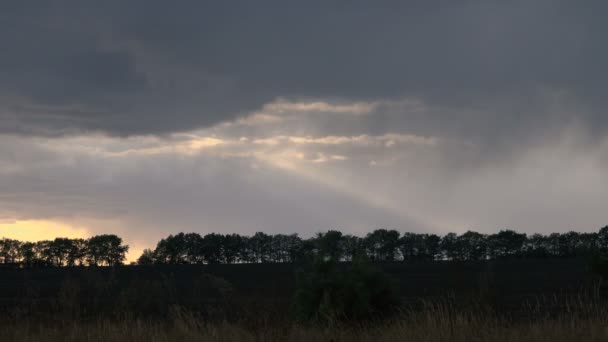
x=435, y=323
x=257, y=302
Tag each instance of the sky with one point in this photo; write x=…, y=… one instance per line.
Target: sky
x=148, y=118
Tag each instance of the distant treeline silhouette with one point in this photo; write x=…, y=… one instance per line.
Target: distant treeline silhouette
x=100, y=250
x=379, y=245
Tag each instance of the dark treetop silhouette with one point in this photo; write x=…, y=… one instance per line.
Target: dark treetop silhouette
x=100, y=250
x=379, y=245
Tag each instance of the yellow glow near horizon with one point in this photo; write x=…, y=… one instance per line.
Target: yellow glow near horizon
x=36, y=230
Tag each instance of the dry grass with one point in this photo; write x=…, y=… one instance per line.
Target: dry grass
x=582, y=321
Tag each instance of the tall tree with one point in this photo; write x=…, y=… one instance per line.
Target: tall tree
x=192, y=249
x=329, y=244
x=213, y=250
x=148, y=257
x=180, y=249
x=472, y=246
x=569, y=244
x=170, y=250
x=78, y=252
x=285, y=247
x=29, y=255
x=293, y=245
x=448, y=247
x=260, y=245
x=506, y=243
x=59, y=251
x=351, y=246
x=432, y=247
x=9, y=250
x=383, y=244
x=233, y=244
x=537, y=246
x=415, y=247
x=106, y=250
x=602, y=239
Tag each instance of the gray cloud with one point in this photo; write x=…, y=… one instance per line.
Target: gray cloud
x=224, y=179
x=147, y=193
x=286, y=116
x=147, y=67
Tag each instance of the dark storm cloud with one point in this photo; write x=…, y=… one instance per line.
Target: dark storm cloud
x=153, y=67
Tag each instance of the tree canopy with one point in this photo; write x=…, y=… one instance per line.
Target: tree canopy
x=101, y=250
x=379, y=245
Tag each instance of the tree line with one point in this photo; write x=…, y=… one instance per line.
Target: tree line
x=100, y=250
x=379, y=245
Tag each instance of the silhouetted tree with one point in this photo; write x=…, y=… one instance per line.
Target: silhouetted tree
x=246, y=254
x=537, y=246
x=351, y=246
x=192, y=248
x=588, y=244
x=9, y=250
x=409, y=246
x=419, y=246
x=305, y=253
x=212, y=248
x=293, y=246
x=569, y=244
x=172, y=250
x=285, y=247
x=29, y=255
x=471, y=246
x=553, y=244
x=106, y=250
x=148, y=257
x=506, y=243
x=59, y=251
x=78, y=252
x=448, y=246
x=432, y=247
x=383, y=244
x=380, y=245
x=233, y=244
x=260, y=245
x=45, y=256
x=329, y=245
x=602, y=239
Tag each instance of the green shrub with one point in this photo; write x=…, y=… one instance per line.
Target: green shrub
x=332, y=292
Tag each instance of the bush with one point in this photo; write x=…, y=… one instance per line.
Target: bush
x=599, y=265
x=332, y=292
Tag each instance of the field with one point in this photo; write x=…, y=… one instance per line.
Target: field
x=430, y=325
x=528, y=300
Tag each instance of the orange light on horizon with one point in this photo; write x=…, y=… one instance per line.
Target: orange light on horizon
x=37, y=230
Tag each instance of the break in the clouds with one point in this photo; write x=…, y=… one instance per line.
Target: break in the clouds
x=148, y=118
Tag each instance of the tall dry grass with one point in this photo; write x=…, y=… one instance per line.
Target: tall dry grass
x=580, y=320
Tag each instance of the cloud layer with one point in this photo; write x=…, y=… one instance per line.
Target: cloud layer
x=146, y=67
x=148, y=119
